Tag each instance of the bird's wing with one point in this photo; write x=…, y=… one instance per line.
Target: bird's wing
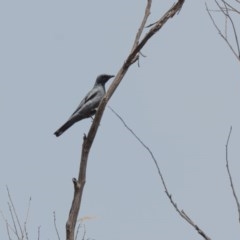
x=93, y=93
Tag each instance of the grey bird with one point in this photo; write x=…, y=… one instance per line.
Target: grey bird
x=88, y=106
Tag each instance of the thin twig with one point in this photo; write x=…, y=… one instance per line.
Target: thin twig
x=144, y=20
x=15, y=212
x=235, y=35
x=38, y=236
x=28, y=210
x=26, y=232
x=230, y=7
x=15, y=230
x=219, y=11
x=55, y=225
x=25, y=223
x=174, y=204
x=226, y=14
x=8, y=232
x=220, y=32
x=78, y=227
x=226, y=21
x=84, y=232
x=230, y=176
x=7, y=224
x=144, y=145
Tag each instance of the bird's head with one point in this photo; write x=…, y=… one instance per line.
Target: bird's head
x=102, y=79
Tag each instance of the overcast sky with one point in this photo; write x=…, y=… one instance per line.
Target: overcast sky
x=181, y=102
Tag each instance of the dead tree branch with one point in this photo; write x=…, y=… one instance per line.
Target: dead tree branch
x=26, y=220
x=226, y=9
x=78, y=227
x=88, y=140
x=7, y=225
x=55, y=225
x=14, y=216
x=230, y=176
x=15, y=228
x=169, y=195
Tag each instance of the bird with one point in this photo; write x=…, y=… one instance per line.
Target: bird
x=88, y=106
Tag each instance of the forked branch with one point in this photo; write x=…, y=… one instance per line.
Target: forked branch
x=226, y=9
x=13, y=226
x=88, y=140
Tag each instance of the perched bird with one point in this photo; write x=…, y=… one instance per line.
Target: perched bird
x=88, y=106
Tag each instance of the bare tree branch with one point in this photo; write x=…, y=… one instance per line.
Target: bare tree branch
x=78, y=227
x=14, y=228
x=88, y=140
x=230, y=176
x=55, y=225
x=225, y=10
x=14, y=214
x=8, y=226
x=140, y=30
x=25, y=223
x=230, y=7
x=8, y=232
x=169, y=195
x=84, y=232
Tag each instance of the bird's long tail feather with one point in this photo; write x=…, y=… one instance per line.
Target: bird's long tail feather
x=63, y=128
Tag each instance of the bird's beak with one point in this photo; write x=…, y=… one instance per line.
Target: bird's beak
x=109, y=76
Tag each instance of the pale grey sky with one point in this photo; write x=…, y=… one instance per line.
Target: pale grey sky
x=181, y=102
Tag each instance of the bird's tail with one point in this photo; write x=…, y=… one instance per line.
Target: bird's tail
x=63, y=128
